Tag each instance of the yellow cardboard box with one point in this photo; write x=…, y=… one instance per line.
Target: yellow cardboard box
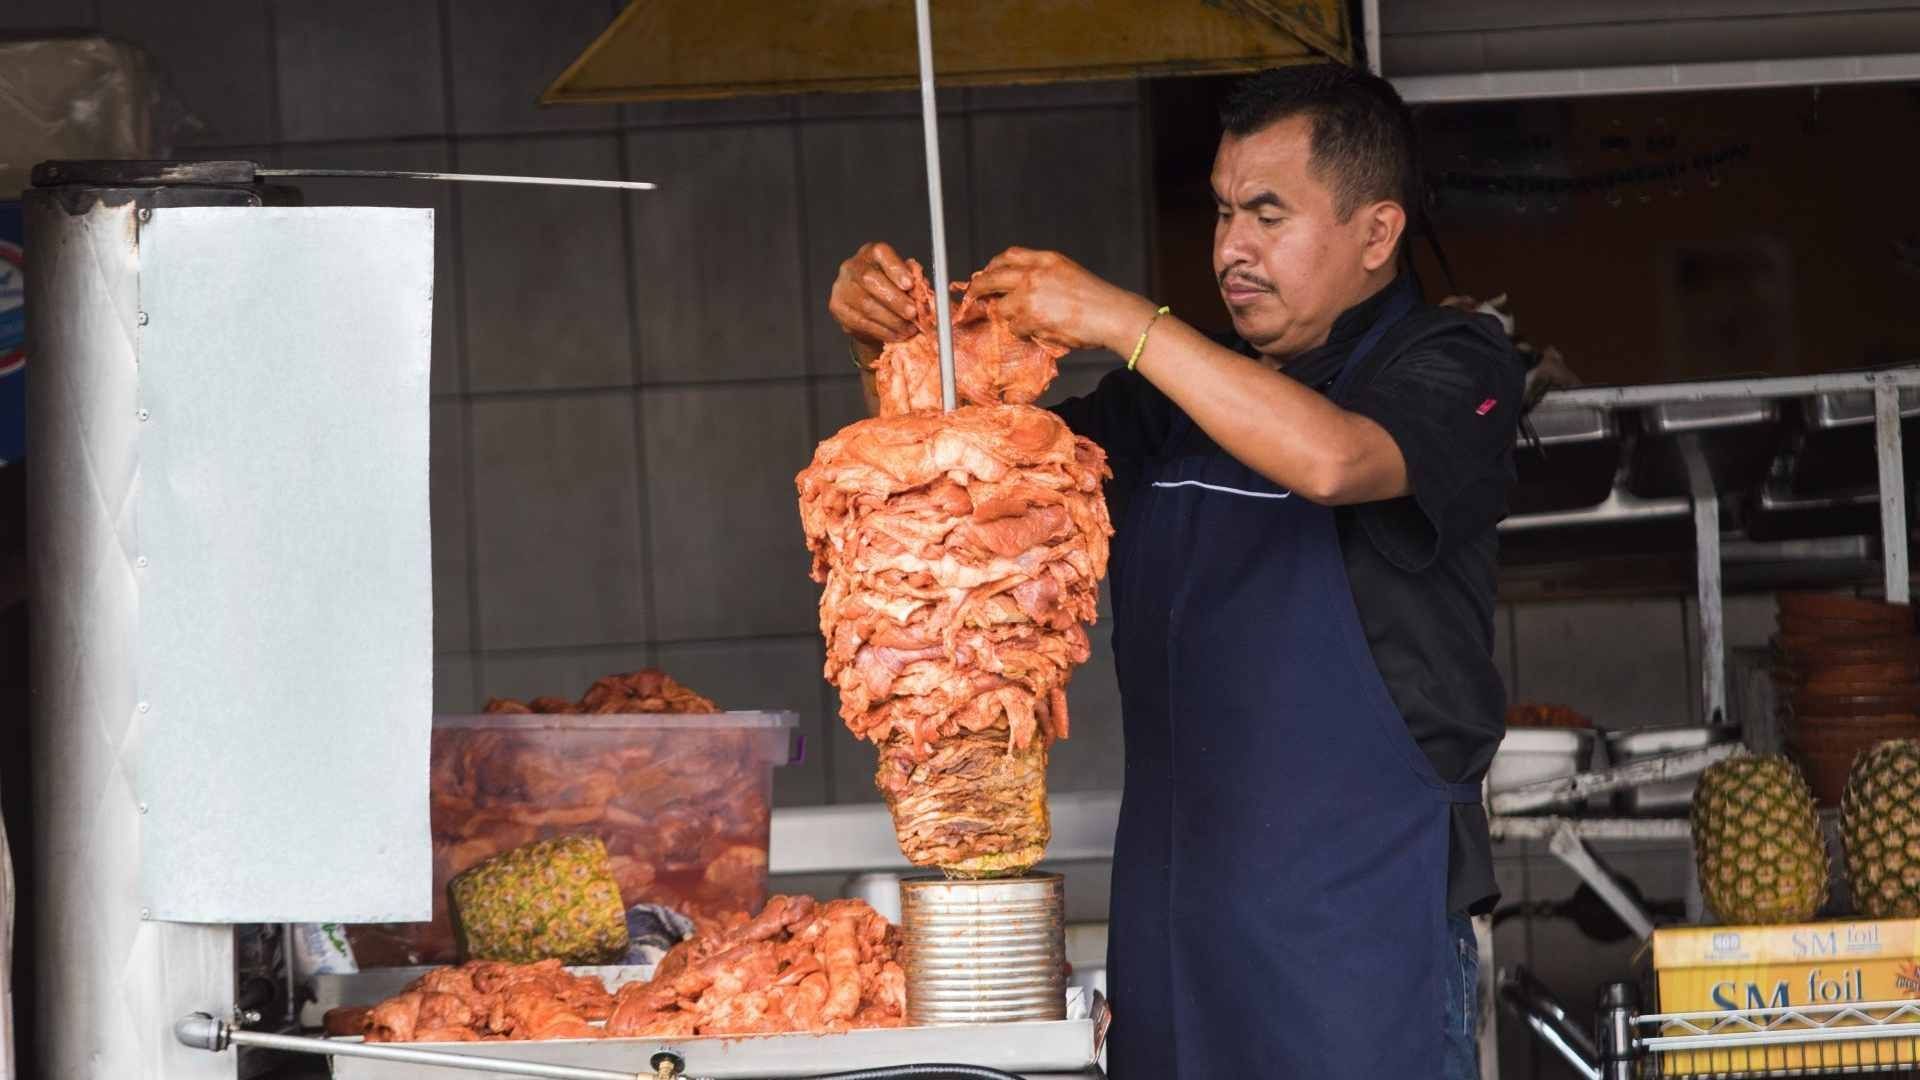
x=1727, y=968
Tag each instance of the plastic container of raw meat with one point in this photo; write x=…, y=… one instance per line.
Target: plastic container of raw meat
x=682, y=802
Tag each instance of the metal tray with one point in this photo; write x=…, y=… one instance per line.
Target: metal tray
x=1038, y=1050
x=1737, y=439
x=1833, y=452
x=1779, y=513
x=1661, y=798
x=1854, y=407
x=1569, y=463
x=1531, y=755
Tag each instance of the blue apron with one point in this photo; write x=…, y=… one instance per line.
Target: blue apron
x=1280, y=870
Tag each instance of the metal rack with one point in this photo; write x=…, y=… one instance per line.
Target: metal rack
x=1703, y=505
x=1785, y=1042
x=1817, y=1040
x=1027, y=1050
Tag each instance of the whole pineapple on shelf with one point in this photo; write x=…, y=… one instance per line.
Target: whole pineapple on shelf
x=1756, y=842
x=1880, y=819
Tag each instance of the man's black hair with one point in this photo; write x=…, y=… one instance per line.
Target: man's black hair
x=1362, y=143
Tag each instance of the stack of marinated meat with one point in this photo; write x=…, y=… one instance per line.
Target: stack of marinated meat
x=961, y=555
x=797, y=966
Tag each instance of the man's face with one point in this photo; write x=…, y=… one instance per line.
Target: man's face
x=1286, y=264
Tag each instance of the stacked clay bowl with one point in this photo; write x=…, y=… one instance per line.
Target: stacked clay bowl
x=1847, y=676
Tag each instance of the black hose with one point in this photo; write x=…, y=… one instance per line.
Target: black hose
x=918, y=1072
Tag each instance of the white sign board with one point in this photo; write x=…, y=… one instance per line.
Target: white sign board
x=279, y=526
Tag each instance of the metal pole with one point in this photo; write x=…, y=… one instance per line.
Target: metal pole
x=1569, y=849
x=936, y=202
x=204, y=1032
x=1619, y=1051
x=1893, y=490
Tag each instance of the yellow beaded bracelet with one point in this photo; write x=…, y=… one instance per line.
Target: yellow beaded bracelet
x=1141, y=345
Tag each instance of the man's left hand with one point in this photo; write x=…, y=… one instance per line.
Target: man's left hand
x=1047, y=296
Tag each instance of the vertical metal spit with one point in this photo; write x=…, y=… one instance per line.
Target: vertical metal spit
x=936, y=201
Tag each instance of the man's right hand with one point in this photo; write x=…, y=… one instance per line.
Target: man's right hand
x=869, y=299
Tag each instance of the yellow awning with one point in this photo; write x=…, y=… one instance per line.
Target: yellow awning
x=673, y=49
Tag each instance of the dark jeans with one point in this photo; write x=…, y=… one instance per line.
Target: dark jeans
x=1462, y=977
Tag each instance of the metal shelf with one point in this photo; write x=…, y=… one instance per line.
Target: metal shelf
x=1572, y=789
x=1656, y=78
x=1658, y=830
x=859, y=838
x=1869, y=1037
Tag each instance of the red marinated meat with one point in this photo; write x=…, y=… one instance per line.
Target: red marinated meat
x=961, y=555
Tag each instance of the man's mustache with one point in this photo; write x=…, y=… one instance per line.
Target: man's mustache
x=1245, y=281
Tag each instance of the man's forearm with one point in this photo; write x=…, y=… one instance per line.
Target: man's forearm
x=1276, y=426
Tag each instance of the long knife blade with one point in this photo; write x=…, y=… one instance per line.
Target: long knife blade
x=473, y=178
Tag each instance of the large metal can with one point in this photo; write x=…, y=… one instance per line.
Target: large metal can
x=980, y=952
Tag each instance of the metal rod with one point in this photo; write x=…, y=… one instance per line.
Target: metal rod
x=1619, y=1049
x=1678, y=765
x=1657, y=78
x=1893, y=490
x=435, y=1058
x=1536, y=1005
x=936, y=201
x=1860, y=1011
x=472, y=178
x=1569, y=849
x=1666, y=1044
x=1370, y=16
x=1733, y=389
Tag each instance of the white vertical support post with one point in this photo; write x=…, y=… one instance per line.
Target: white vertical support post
x=1706, y=546
x=1893, y=490
x=936, y=200
x=1489, y=998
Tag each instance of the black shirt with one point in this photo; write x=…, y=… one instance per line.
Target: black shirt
x=1446, y=385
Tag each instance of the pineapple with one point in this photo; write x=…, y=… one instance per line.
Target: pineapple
x=1757, y=843
x=1880, y=818
x=550, y=898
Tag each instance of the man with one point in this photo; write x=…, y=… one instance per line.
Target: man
x=1303, y=586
